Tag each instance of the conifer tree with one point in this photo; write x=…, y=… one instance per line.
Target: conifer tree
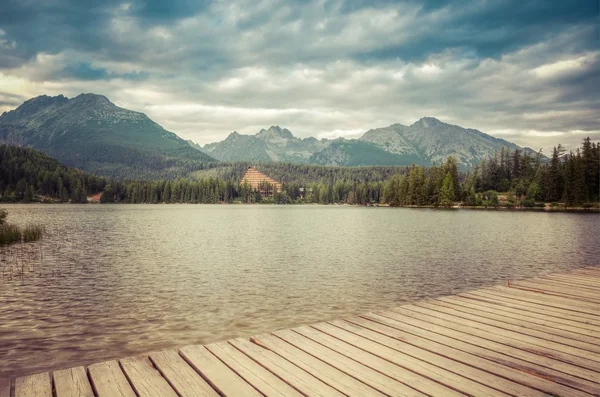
x=447, y=191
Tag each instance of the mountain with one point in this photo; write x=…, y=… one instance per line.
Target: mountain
x=424, y=142
x=91, y=133
x=432, y=140
x=342, y=152
x=274, y=144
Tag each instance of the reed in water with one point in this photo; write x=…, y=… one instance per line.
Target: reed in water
x=11, y=233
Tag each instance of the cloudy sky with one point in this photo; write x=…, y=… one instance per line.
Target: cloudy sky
x=527, y=71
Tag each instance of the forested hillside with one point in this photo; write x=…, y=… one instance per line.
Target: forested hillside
x=572, y=178
x=27, y=175
x=524, y=179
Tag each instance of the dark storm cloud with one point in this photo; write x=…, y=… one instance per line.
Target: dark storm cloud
x=477, y=29
x=497, y=28
x=85, y=71
x=167, y=10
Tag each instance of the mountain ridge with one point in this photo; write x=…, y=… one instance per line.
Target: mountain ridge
x=93, y=134
x=425, y=141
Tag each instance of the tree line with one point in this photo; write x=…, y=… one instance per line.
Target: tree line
x=572, y=178
x=28, y=175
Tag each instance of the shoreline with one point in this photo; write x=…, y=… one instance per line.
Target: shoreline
x=546, y=208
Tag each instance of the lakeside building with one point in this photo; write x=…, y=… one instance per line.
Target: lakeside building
x=260, y=182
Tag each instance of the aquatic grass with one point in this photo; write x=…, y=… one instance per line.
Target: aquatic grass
x=10, y=233
x=32, y=233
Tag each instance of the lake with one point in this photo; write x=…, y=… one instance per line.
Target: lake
x=108, y=281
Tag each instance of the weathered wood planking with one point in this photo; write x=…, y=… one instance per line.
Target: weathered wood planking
x=524, y=361
x=257, y=376
x=72, y=383
x=108, y=380
x=358, y=370
x=319, y=369
x=561, y=361
x=185, y=381
x=221, y=377
x=388, y=368
x=446, y=346
x=539, y=337
x=532, y=310
x=38, y=385
x=286, y=370
x=583, y=349
x=484, y=307
x=145, y=379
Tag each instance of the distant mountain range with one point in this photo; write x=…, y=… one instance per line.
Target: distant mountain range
x=91, y=133
x=426, y=141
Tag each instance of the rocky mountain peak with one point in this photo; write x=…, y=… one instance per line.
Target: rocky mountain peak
x=428, y=122
x=275, y=131
x=31, y=108
x=92, y=100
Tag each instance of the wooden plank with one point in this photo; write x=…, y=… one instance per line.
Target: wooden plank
x=537, y=307
x=452, y=323
x=530, y=308
x=390, y=369
x=108, y=380
x=502, y=371
x=327, y=373
x=584, y=281
x=586, y=277
x=589, y=271
x=582, y=308
x=498, y=312
x=584, y=357
x=592, y=283
x=529, y=374
x=348, y=366
x=257, y=376
x=573, y=293
x=423, y=368
x=544, y=333
x=5, y=385
x=299, y=379
x=72, y=382
x=487, y=349
x=221, y=377
x=182, y=378
x=594, y=269
x=550, y=296
x=569, y=284
x=560, y=283
x=145, y=379
x=518, y=295
x=38, y=385
x=467, y=380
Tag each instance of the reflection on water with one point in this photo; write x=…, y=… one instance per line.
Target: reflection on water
x=115, y=280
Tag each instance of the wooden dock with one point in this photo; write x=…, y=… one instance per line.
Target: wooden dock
x=538, y=337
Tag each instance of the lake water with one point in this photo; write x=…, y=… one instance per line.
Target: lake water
x=108, y=281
